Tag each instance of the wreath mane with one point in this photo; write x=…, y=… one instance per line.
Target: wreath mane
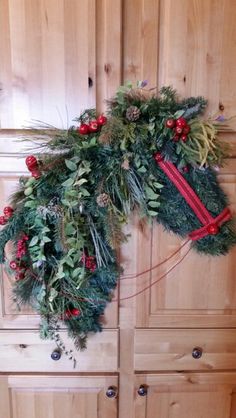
x=154, y=154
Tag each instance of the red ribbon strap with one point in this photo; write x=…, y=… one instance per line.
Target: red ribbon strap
x=210, y=224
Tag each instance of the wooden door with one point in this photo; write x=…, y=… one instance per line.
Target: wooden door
x=198, y=292
x=186, y=395
x=57, y=397
x=195, y=58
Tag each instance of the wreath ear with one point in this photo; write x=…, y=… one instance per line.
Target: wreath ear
x=151, y=154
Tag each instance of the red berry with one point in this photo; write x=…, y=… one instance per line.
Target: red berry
x=83, y=129
x=8, y=212
x=75, y=312
x=31, y=162
x=20, y=276
x=3, y=220
x=8, y=209
x=186, y=130
x=170, y=123
x=184, y=138
x=181, y=122
x=158, y=157
x=176, y=138
x=185, y=169
x=25, y=237
x=93, y=126
x=13, y=265
x=36, y=174
x=101, y=120
x=178, y=130
x=212, y=229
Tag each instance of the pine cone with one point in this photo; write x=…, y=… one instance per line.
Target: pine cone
x=103, y=200
x=133, y=113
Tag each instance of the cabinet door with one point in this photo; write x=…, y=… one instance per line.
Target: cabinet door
x=186, y=395
x=48, y=54
x=12, y=166
x=198, y=292
x=58, y=397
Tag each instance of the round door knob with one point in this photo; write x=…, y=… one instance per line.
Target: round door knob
x=142, y=390
x=197, y=353
x=111, y=392
x=56, y=354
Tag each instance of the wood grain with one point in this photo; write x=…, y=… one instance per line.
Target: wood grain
x=206, y=395
x=25, y=352
x=172, y=349
x=46, y=397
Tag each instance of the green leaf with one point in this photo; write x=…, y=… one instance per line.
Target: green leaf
x=153, y=204
x=34, y=241
x=46, y=239
x=179, y=113
x=71, y=165
x=142, y=169
x=30, y=204
x=84, y=192
x=82, y=171
x=69, y=229
x=152, y=213
x=150, y=193
x=80, y=182
x=69, y=261
x=158, y=185
x=77, y=272
x=93, y=141
x=68, y=182
x=65, y=202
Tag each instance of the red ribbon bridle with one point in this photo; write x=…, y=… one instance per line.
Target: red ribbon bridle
x=210, y=225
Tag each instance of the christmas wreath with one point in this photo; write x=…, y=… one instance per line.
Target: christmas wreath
x=153, y=154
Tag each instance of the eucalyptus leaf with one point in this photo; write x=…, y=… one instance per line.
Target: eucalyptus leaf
x=152, y=213
x=153, y=204
x=34, y=241
x=68, y=182
x=71, y=165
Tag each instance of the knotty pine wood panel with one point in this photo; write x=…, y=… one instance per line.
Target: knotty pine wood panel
x=24, y=351
x=206, y=395
x=57, y=397
x=48, y=50
x=140, y=41
x=108, y=50
x=197, y=50
x=172, y=349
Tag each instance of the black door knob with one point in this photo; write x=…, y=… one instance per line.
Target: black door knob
x=111, y=392
x=56, y=354
x=143, y=390
x=197, y=353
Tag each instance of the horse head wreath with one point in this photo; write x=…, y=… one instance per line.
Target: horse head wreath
x=152, y=153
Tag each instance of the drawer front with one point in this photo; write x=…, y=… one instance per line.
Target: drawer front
x=26, y=352
x=185, y=349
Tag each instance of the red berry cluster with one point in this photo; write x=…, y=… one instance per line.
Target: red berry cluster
x=180, y=128
x=33, y=166
x=21, y=246
x=8, y=212
x=70, y=313
x=92, y=126
x=89, y=262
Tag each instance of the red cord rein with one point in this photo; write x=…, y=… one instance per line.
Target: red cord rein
x=210, y=225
